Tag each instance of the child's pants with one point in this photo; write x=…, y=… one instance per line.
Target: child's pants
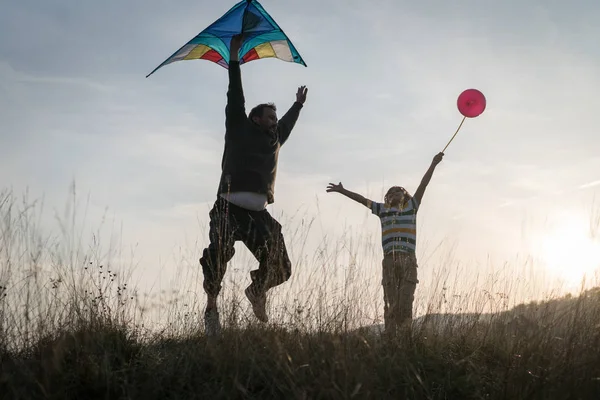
x=399, y=284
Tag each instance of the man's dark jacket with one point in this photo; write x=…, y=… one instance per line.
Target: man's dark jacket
x=250, y=156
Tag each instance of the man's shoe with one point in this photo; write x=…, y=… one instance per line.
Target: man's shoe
x=259, y=303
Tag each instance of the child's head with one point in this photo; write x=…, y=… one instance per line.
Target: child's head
x=396, y=196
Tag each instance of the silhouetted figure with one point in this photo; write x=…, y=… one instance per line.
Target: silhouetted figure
x=398, y=216
x=246, y=187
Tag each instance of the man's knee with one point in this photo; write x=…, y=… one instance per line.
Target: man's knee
x=211, y=284
x=273, y=272
x=214, y=264
x=208, y=262
x=280, y=270
x=277, y=258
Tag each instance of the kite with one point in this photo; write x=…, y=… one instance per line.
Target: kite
x=263, y=38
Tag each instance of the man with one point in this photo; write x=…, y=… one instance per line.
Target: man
x=249, y=168
x=398, y=217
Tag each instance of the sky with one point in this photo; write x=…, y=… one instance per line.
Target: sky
x=519, y=181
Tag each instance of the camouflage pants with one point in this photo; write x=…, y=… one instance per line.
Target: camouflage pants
x=399, y=285
x=259, y=231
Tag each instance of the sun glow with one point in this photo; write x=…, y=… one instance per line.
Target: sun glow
x=570, y=248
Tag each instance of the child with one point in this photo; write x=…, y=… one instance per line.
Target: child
x=398, y=215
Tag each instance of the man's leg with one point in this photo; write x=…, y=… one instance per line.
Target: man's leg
x=265, y=240
x=214, y=260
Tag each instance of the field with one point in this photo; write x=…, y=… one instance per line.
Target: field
x=71, y=327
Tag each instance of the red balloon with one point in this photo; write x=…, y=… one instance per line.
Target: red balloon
x=471, y=103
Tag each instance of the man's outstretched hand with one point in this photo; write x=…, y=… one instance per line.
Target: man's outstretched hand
x=301, y=94
x=437, y=159
x=335, y=188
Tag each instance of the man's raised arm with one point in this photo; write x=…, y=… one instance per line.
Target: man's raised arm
x=235, y=111
x=288, y=121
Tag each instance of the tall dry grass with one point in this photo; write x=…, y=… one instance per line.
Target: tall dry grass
x=72, y=325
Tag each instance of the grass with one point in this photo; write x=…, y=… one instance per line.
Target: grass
x=71, y=326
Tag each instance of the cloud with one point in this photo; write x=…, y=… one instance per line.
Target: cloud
x=129, y=153
x=590, y=184
x=9, y=75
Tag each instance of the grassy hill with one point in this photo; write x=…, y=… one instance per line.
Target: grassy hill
x=69, y=330
x=551, y=352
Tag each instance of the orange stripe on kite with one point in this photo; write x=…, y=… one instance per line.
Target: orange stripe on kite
x=251, y=55
x=212, y=56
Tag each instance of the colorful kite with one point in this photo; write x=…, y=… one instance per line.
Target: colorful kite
x=263, y=38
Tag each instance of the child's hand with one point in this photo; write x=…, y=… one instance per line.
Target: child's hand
x=335, y=188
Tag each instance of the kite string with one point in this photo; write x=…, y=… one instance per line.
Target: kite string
x=459, y=126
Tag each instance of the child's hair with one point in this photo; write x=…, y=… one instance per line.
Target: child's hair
x=393, y=189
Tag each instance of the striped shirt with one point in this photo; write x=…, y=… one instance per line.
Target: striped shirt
x=398, y=226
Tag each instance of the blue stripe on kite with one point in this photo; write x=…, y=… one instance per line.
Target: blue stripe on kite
x=264, y=23
x=265, y=15
x=231, y=20
x=262, y=38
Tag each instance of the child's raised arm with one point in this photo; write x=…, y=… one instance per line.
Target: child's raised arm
x=339, y=188
x=427, y=177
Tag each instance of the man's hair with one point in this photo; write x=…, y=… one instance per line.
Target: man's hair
x=258, y=111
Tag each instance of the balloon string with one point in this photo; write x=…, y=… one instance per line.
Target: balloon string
x=461, y=122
